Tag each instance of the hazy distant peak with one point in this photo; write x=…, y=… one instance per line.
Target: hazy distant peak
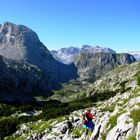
x=66, y=55
x=70, y=50
x=95, y=49
x=136, y=54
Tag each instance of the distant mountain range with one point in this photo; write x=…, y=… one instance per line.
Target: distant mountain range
x=136, y=54
x=66, y=55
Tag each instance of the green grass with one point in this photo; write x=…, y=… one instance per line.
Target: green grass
x=76, y=132
x=108, y=108
x=138, y=74
x=132, y=137
x=103, y=135
x=40, y=127
x=135, y=115
x=113, y=119
x=79, y=131
x=138, y=104
x=136, y=90
x=17, y=138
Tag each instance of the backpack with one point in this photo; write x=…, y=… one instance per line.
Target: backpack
x=85, y=122
x=89, y=116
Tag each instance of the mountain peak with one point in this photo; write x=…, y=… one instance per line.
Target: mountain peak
x=95, y=49
x=7, y=23
x=19, y=42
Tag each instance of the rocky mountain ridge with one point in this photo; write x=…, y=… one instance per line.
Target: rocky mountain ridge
x=66, y=55
x=93, y=65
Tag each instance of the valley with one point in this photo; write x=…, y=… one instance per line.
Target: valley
x=43, y=97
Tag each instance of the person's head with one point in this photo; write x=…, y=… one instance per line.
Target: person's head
x=88, y=110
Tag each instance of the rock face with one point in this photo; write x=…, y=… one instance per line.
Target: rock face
x=18, y=42
x=121, y=130
x=92, y=65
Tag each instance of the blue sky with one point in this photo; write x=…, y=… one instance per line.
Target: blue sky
x=64, y=23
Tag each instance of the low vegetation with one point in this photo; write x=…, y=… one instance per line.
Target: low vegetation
x=135, y=114
x=138, y=75
x=52, y=109
x=108, y=108
x=113, y=119
x=132, y=137
x=7, y=127
x=103, y=135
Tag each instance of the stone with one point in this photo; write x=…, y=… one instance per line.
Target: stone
x=138, y=131
x=122, y=131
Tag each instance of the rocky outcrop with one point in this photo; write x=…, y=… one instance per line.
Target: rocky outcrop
x=92, y=65
x=123, y=129
x=138, y=131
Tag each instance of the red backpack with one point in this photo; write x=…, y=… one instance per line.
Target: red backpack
x=89, y=116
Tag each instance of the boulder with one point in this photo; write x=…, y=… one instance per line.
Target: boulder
x=122, y=131
x=138, y=131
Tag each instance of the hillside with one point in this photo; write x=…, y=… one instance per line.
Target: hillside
x=115, y=101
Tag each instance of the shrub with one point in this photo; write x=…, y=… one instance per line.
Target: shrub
x=138, y=75
x=8, y=127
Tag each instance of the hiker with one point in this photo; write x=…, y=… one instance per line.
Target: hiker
x=88, y=121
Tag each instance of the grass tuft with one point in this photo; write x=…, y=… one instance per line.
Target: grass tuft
x=135, y=115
